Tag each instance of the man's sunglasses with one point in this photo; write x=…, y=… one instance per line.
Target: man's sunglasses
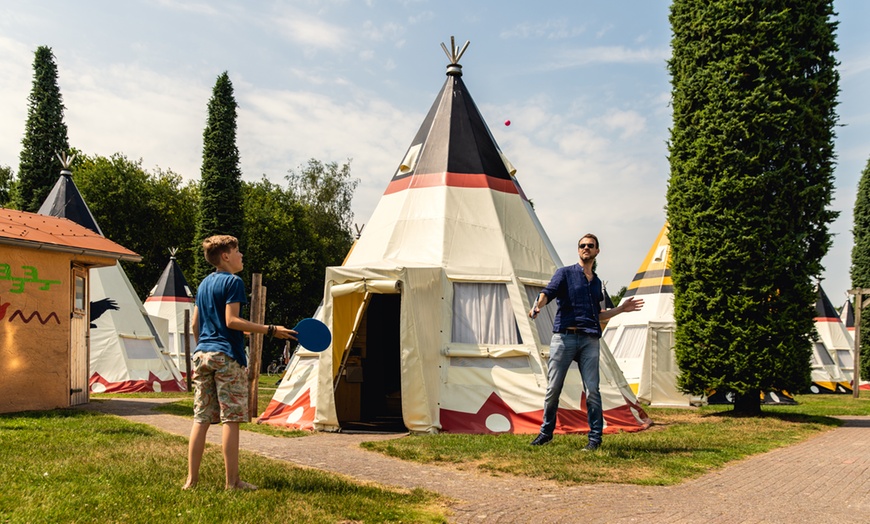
x=584, y=246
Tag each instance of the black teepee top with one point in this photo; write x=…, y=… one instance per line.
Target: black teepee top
x=172, y=286
x=65, y=201
x=454, y=146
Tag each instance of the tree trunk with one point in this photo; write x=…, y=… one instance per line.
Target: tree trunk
x=748, y=404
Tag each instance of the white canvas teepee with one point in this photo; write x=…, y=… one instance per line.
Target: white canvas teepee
x=125, y=351
x=832, y=351
x=169, y=299
x=428, y=313
x=642, y=341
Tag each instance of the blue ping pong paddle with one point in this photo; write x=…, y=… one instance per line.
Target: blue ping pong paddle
x=313, y=334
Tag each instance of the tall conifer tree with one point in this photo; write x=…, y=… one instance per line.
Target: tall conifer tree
x=751, y=153
x=45, y=135
x=221, y=198
x=860, y=270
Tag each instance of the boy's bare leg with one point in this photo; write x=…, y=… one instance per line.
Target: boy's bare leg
x=195, y=449
x=230, y=444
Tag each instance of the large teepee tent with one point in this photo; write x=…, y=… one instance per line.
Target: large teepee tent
x=125, y=351
x=169, y=299
x=428, y=313
x=642, y=341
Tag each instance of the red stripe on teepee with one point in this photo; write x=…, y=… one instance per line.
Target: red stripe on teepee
x=168, y=299
x=452, y=180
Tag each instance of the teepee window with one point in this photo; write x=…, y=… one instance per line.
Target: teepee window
x=845, y=358
x=544, y=322
x=632, y=342
x=823, y=356
x=482, y=314
x=137, y=348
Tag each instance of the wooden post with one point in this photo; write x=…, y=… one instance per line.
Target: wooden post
x=859, y=305
x=187, y=347
x=258, y=308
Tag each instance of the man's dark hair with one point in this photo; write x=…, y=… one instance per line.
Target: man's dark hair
x=593, y=237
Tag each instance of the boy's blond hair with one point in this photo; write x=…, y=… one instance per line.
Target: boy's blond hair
x=215, y=246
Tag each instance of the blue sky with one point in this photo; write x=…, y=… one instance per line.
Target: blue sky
x=584, y=84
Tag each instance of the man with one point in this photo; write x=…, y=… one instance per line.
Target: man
x=576, y=332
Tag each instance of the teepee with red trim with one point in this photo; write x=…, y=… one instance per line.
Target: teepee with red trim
x=169, y=299
x=126, y=353
x=428, y=312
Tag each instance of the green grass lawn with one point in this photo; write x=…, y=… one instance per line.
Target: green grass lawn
x=80, y=466
x=682, y=444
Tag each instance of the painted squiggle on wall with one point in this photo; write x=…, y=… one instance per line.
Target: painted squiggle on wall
x=37, y=314
x=4, y=306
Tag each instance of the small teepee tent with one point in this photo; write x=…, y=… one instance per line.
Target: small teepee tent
x=847, y=316
x=642, y=341
x=428, y=313
x=169, y=299
x=832, y=354
x=125, y=351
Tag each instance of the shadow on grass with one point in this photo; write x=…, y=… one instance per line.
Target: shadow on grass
x=53, y=414
x=799, y=418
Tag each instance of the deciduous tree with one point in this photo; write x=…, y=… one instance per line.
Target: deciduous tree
x=148, y=213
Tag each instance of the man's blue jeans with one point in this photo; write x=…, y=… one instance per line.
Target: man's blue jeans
x=566, y=348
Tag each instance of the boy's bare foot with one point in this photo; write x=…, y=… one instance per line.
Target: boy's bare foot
x=190, y=484
x=242, y=485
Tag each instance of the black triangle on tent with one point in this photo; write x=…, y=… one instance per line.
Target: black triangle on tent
x=824, y=309
x=172, y=284
x=454, y=146
x=847, y=315
x=65, y=201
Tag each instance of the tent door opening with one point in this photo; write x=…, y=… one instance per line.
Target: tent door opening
x=368, y=396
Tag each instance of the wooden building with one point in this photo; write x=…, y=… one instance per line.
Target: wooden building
x=44, y=308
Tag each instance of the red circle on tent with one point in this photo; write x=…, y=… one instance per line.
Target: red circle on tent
x=507, y=122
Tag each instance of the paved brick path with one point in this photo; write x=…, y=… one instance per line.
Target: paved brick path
x=825, y=479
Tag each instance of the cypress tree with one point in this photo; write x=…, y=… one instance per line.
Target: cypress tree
x=221, y=198
x=860, y=269
x=45, y=135
x=754, y=87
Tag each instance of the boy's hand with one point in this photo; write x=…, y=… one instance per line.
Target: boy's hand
x=284, y=333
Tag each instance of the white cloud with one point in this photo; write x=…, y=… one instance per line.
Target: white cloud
x=203, y=8
x=549, y=29
x=310, y=32
x=627, y=123
x=606, y=55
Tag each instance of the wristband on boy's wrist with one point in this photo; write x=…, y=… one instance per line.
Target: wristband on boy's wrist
x=270, y=331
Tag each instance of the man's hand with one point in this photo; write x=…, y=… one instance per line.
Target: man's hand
x=533, y=313
x=631, y=304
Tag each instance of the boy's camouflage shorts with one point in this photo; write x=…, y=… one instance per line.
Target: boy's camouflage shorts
x=220, y=388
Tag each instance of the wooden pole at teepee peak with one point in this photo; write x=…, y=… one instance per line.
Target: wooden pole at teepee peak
x=258, y=313
x=856, y=360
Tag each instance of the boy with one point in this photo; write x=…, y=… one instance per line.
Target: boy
x=220, y=378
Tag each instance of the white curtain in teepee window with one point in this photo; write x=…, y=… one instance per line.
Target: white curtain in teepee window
x=482, y=314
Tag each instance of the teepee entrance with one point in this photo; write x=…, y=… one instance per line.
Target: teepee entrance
x=368, y=390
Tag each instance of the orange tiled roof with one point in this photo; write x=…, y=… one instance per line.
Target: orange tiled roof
x=60, y=234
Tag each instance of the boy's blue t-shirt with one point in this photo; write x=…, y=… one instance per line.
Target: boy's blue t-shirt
x=214, y=293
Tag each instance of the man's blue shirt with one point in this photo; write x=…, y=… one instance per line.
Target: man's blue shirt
x=579, y=300
x=214, y=293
